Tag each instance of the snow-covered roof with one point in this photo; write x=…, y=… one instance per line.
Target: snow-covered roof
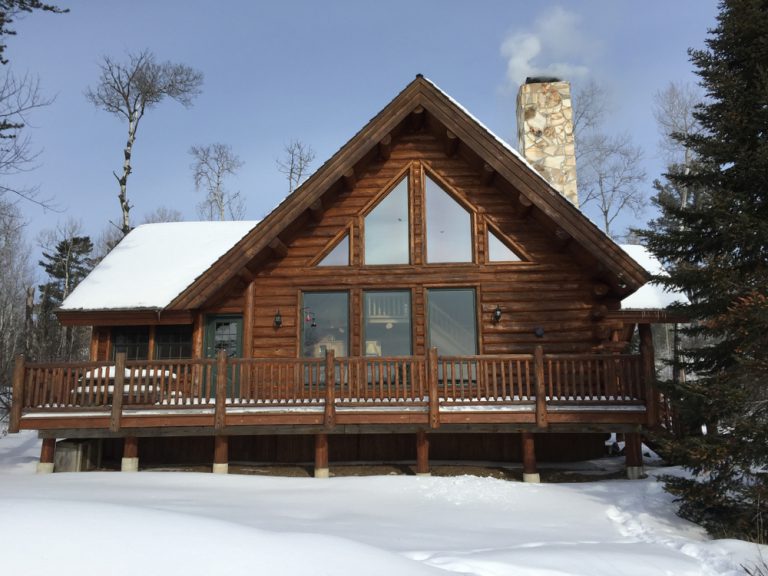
x=651, y=296
x=154, y=264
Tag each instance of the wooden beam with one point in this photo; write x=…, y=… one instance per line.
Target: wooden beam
x=350, y=179
x=321, y=456
x=600, y=289
x=278, y=247
x=649, y=374
x=417, y=118
x=541, y=392
x=562, y=239
x=117, y=393
x=385, y=147
x=316, y=210
x=220, y=454
x=17, y=394
x=330, y=389
x=434, y=400
x=524, y=204
x=487, y=175
x=530, y=471
x=422, y=453
x=451, y=143
x=599, y=311
x=93, y=351
x=221, y=390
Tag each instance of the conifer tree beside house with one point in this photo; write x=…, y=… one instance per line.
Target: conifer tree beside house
x=716, y=250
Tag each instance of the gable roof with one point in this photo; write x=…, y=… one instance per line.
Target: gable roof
x=153, y=264
x=418, y=97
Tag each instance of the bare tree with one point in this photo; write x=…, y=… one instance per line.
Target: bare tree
x=609, y=176
x=128, y=90
x=673, y=110
x=163, y=214
x=15, y=280
x=18, y=97
x=296, y=162
x=212, y=165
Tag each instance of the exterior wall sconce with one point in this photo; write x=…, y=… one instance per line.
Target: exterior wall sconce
x=539, y=332
x=496, y=315
x=278, y=321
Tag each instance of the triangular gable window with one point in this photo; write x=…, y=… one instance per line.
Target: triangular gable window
x=386, y=228
x=449, y=226
x=339, y=256
x=498, y=251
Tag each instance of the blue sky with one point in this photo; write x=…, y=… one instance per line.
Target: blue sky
x=318, y=71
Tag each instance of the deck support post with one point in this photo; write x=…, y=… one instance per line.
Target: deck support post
x=45, y=466
x=130, y=462
x=633, y=451
x=422, y=454
x=220, y=454
x=321, y=456
x=530, y=472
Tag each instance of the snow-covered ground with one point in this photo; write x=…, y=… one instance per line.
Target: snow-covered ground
x=189, y=523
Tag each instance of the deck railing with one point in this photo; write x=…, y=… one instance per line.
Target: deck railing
x=535, y=380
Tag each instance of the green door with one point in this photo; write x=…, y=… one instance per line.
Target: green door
x=224, y=332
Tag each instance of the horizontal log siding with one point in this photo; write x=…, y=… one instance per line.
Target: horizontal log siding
x=550, y=292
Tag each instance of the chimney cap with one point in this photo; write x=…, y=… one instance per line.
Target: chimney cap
x=541, y=79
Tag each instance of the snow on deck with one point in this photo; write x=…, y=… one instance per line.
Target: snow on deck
x=154, y=264
x=651, y=296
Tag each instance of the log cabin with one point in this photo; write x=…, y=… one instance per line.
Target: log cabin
x=429, y=293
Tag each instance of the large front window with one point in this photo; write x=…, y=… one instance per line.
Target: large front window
x=387, y=330
x=324, y=323
x=173, y=342
x=133, y=340
x=452, y=325
x=449, y=226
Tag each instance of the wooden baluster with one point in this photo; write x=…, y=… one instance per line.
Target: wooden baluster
x=432, y=381
x=541, y=399
x=330, y=384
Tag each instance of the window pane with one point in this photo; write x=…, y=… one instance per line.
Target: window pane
x=173, y=342
x=387, y=329
x=386, y=228
x=449, y=227
x=133, y=340
x=498, y=251
x=452, y=325
x=339, y=256
x=325, y=323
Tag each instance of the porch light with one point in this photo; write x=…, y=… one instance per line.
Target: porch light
x=278, y=321
x=539, y=332
x=497, y=314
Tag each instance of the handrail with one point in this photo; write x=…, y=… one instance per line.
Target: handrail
x=533, y=380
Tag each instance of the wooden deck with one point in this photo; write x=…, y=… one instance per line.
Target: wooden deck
x=240, y=396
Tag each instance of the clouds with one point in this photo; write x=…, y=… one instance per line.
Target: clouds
x=555, y=46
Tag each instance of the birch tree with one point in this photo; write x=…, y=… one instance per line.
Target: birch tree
x=128, y=90
x=212, y=165
x=296, y=162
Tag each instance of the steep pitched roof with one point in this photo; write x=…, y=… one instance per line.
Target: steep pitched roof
x=500, y=159
x=153, y=264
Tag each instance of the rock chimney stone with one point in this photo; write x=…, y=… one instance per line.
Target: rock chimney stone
x=545, y=132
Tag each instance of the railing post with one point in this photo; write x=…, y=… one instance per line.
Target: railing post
x=17, y=394
x=434, y=399
x=330, y=388
x=221, y=390
x=541, y=391
x=118, y=389
x=649, y=374
x=611, y=388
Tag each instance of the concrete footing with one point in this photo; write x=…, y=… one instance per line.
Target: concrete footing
x=534, y=478
x=635, y=472
x=129, y=465
x=45, y=467
x=423, y=473
x=221, y=468
x=322, y=473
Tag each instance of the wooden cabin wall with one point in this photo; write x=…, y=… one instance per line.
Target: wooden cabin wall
x=551, y=291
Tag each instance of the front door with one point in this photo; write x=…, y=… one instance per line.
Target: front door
x=224, y=332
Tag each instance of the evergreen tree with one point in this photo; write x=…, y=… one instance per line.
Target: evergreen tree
x=716, y=248
x=65, y=267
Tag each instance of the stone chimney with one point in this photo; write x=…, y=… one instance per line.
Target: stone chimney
x=545, y=132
